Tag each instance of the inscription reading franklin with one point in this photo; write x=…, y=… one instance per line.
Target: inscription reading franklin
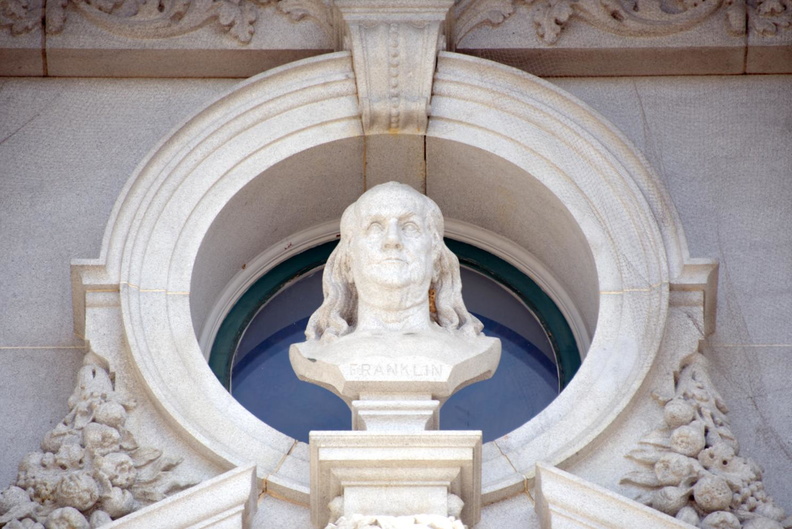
x=395, y=370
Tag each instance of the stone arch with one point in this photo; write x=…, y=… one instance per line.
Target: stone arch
x=546, y=142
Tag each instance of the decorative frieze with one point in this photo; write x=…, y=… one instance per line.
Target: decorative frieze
x=21, y=16
x=770, y=17
x=692, y=467
x=632, y=18
x=90, y=470
x=171, y=18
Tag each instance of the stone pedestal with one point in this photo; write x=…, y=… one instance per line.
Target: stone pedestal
x=394, y=381
x=395, y=384
x=395, y=474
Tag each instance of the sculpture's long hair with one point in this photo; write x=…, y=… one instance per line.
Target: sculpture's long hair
x=337, y=315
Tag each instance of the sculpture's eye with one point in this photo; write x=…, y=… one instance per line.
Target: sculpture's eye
x=411, y=229
x=375, y=228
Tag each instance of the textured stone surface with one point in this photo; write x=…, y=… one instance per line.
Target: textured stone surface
x=726, y=161
x=66, y=149
x=34, y=387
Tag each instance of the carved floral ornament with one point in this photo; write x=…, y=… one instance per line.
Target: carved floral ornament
x=90, y=469
x=237, y=18
x=691, y=465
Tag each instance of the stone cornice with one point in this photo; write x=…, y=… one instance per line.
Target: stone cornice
x=238, y=38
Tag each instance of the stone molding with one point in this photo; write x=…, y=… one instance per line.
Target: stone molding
x=566, y=501
x=633, y=18
x=165, y=210
x=227, y=501
x=360, y=466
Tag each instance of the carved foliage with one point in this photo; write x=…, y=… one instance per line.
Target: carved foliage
x=20, y=16
x=159, y=19
x=470, y=14
x=317, y=10
x=418, y=521
x=90, y=469
x=691, y=465
x=633, y=18
x=769, y=17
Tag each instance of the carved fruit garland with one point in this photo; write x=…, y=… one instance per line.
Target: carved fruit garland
x=90, y=469
x=692, y=469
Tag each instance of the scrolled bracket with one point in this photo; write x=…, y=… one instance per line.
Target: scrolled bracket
x=394, y=49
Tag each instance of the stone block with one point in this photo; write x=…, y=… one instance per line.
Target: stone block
x=395, y=157
x=769, y=38
x=406, y=473
x=68, y=147
x=21, y=49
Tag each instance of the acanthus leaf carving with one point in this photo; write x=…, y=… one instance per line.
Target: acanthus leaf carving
x=21, y=16
x=470, y=14
x=550, y=17
x=691, y=467
x=90, y=469
x=651, y=18
x=770, y=17
x=318, y=10
x=164, y=19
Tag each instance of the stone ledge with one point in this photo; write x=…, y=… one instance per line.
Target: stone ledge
x=223, y=502
x=565, y=501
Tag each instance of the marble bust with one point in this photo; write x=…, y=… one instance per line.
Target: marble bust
x=393, y=319
x=390, y=256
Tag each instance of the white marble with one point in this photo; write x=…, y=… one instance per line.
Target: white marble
x=720, y=145
x=565, y=501
x=393, y=326
x=227, y=501
x=394, y=44
x=395, y=474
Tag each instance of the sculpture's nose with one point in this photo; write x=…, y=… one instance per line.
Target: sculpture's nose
x=392, y=237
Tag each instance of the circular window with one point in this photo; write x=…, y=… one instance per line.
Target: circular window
x=250, y=354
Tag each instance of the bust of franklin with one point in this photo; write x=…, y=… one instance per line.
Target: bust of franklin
x=378, y=279
x=377, y=313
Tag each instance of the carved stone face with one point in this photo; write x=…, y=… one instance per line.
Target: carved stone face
x=393, y=244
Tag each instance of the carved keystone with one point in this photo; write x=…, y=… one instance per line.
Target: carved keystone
x=394, y=46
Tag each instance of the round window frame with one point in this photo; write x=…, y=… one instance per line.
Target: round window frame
x=626, y=218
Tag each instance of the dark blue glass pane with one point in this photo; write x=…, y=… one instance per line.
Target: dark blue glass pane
x=525, y=382
x=265, y=384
